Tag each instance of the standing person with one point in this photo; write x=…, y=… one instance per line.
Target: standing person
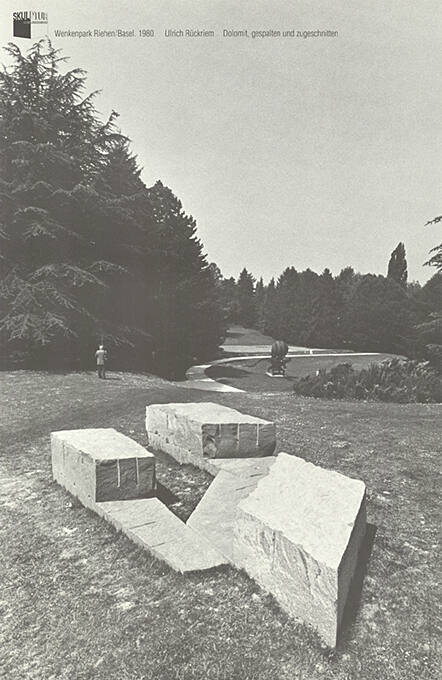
x=100, y=355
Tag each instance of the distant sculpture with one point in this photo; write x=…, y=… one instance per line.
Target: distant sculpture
x=279, y=351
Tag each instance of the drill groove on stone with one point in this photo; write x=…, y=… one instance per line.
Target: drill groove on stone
x=101, y=464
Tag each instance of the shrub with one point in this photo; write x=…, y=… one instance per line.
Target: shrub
x=397, y=380
x=433, y=353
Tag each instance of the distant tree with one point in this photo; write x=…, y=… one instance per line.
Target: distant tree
x=436, y=258
x=380, y=314
x=325, y=319
x=430, y=295
x=346, y=281
x=259, y=304
x=303, y=304
x=287, y=326
x=428, y=332
x=397, y=266
x=429, y=329
x=245, y=291
x=216, y=273
x=228, y=300
x=271, y=311
x=413, y=288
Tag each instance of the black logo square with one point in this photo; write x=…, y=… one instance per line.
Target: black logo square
x=22, y=28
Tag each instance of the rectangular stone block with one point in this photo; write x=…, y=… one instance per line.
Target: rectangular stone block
x=298, y=534
x=193, y=433
x=101, y=464
x=152, y=526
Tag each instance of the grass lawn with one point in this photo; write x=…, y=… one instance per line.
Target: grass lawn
x=78, y=601
x=238, y=335
x=250, y=374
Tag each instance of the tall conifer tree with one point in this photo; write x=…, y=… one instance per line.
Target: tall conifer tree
x=54, y=222
x=397, y=266
x=245, y=291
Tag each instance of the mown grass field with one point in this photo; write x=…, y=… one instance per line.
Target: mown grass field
x=238, y=335
x=78, y=601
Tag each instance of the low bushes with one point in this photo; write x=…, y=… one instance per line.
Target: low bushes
x=396, y=380
x=433, y=353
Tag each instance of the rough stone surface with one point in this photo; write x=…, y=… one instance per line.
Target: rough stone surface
x=214, y=516
x=101, y=464
x=194, y=433
x=298, y=534
x=155, y=528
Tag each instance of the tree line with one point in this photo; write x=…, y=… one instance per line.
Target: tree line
x=366, y=312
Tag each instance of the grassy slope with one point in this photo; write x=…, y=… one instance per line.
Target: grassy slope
x=238, y=335
x=79, y=601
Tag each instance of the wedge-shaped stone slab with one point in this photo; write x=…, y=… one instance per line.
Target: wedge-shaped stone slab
x=298, y=534
x=101, y=464
x=214, y=516
x=192, y=433
x=154, y=527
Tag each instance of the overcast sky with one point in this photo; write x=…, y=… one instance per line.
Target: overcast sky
x=316, y=152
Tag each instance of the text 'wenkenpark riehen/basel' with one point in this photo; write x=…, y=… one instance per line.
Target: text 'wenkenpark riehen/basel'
x=95, y=33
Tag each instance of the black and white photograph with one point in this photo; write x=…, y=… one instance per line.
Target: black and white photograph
x=220, y=340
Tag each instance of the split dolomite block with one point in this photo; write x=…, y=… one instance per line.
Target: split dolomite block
x=101, y=465
x=156, y=529
x=214, y=516
x=195, y=432
x=298, y=534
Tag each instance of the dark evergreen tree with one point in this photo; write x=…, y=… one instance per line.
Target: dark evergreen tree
x=245, y=290
x=271, y=312
x=228, y=300
x=287, y=327
x=429, y=329
x=380, y=315
x=55, y=254
x=259, y=304
x=346, y=282
x=428, y=332
x=303, y=306
x=436, y=252
x=430, y=295
x=325, y=321
x=397, y=266
x=187, y=322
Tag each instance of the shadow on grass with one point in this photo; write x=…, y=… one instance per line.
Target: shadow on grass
x=354, y=594
x=165, y=495
x=226, y=372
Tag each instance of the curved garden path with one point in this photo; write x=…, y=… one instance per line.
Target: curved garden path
x=197, y=378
